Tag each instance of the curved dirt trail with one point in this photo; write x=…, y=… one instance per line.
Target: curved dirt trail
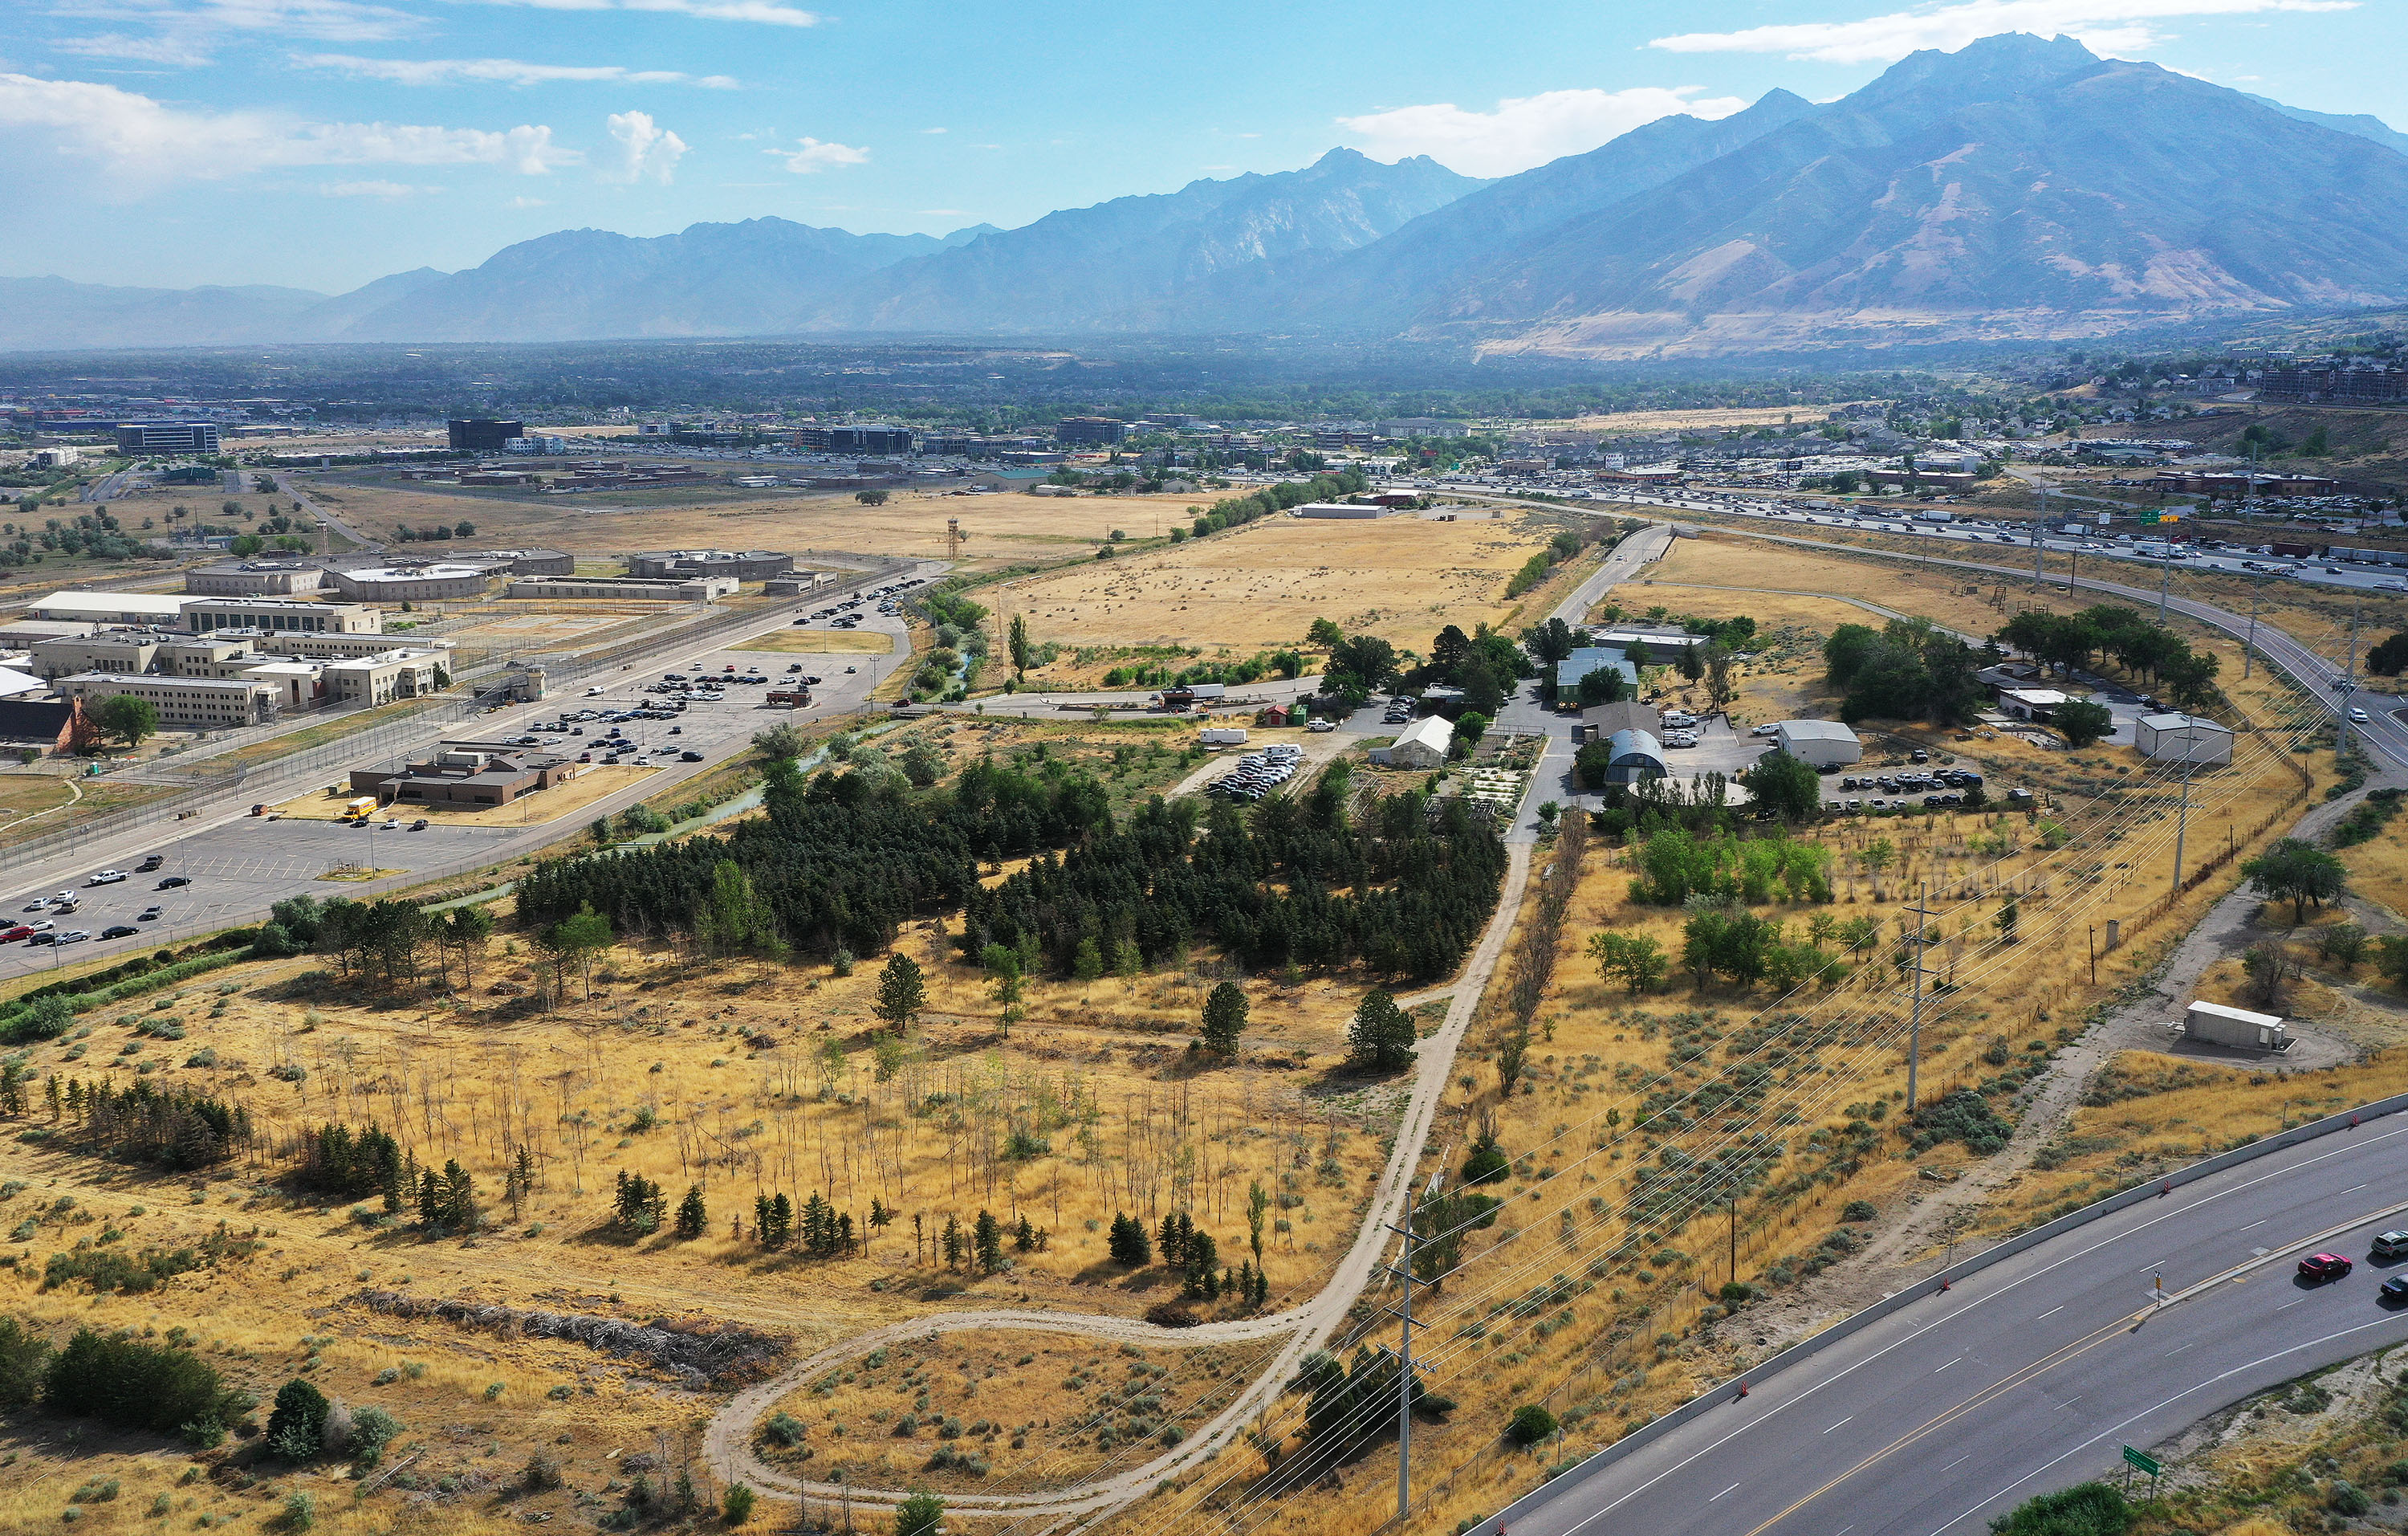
x=727, y=1442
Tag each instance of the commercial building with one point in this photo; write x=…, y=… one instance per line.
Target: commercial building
x=697, y=589
x=143, y=438
x=869, y=437
x=2173, y=737
x=482, y=435
x=256, y=578
x=1824, y=743
x=1602, y=721
x=203, y=615
x=1584, y=660
x=191, y=704
x=409, y=583
x=1341, y=511
x=471, y=775
x=1423, y=744
x=743, y=565
x=381, y=679
x=1090, y=429
x=2038, y=705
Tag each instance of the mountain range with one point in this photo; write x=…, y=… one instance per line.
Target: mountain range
x=2019, y=188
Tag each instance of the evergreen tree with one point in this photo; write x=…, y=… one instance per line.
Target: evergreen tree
x=1381, y=1036
x=953, y=1242
x=1225, y=1018
x=990, y=1242
x=901, y=992
x=691, y=1217
x=1129, y=1243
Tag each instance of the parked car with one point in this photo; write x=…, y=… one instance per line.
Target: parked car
x=148, y=914
x=107, y=877
x=120, y=930
x=1767, y=728
x=149, y=863
x=2318, y=1268
x=10, y=935
x=172, y=883
x=689, y=757
x=418, y=825
x=73, y=936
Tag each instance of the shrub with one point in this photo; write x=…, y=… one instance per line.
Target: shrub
x=542, y=1473
x=783, y=1429
x=1530, y=1423
x=296, y=1429
x=738, y=1507
x=2346, y=1498
x=919, y=1515
x=2086, y=1509
x=372, y=1431
x=23, y=1356
x=1858, y=1210
x=300, y=1513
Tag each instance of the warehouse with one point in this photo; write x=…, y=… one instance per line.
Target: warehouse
x=1824, y=743
x=699, y=589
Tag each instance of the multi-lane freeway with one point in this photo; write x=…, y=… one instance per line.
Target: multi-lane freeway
x=2034, y=1373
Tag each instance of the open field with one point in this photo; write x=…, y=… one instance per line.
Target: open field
x=1261, y=587
x=1000, y=528
x=34, y=804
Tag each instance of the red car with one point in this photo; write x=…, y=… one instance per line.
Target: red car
x=11, y=935
x=2323, y=1266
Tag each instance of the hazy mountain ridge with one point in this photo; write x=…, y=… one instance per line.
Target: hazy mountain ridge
x=2018, y=188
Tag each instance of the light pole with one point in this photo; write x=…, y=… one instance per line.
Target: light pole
x=1915, y=1025
x=2181, y=819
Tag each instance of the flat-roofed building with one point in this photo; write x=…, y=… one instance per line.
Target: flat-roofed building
x=471, y=775
x=382, y=679
x=108, y=608
x=2173, y=737
x=119, y=651
x=328, y=644
x=1824, y=743
x=203, y=615
x=214, y=656
x=254, y=578
x=299, y=684
x=191, y=704
x=135, y=438
x=743, y=565
x=409, y=582
x=697, y=589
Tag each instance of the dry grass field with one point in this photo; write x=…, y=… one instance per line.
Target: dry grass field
x=821, y=643
x=1260, y=587
x=1001, y=528
x=1704, y=419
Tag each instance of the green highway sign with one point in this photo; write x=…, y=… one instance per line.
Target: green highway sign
x=2143, y=1460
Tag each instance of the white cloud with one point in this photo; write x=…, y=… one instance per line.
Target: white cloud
x=767, y=12
x=186, y=32
x=148, y=140
x=644, y=150
x=935, y=130
x=530, y=202
x=1524, y=131
x=813, y=155
x=2118, y=27
x=373, y=189
x=503, y=72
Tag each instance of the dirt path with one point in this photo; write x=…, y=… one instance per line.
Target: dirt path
x=728, y=1441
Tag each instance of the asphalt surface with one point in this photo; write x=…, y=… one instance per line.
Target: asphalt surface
x=240, y=865
x=2032, y=1374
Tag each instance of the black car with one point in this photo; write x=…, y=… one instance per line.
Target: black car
x=172, y=882
x=2395, y=1291
x=150, y=864
x=120, y=930
x=689, y=757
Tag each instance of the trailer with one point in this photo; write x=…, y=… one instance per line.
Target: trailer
x=2236, y=1028
x=1223, y=736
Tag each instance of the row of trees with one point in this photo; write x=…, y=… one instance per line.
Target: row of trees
x=2137, y=644
x=1237, y=511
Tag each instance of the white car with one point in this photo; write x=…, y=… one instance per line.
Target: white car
x=594, y=693
x=1320, y=727
x=1767, y=728
x=107, y=877
x=2356, y=717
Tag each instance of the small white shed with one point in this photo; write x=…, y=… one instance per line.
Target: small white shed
x=1424, y=743
x=1824, y=743
x=2183, y=738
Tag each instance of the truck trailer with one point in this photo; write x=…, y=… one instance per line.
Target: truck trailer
x=2235, y=1027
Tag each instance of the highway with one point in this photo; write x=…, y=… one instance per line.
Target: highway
x=2032, y=1374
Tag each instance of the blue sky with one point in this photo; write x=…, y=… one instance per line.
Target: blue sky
x=321, y=143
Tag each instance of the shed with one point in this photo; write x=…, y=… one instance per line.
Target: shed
x=2237, y=1028
x=2183, y=738
x=1825, y=744
x=1424, y=745
x=1632, y=755
x=1600, y=721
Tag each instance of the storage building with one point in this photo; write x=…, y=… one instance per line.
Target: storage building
x=1825, y=744
x=2182, y=738
x=1633, y=756
x=1424, y=745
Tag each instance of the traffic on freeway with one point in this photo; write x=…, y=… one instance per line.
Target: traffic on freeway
x=2033, y=1373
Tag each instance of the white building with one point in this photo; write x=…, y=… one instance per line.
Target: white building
x=1424, y=745
x=122, y=608
x=2182, y=738
x=1824, y=743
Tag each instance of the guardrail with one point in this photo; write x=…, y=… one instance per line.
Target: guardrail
x=1805, y=1349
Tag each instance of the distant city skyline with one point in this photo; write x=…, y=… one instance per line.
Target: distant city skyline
x=324, y=143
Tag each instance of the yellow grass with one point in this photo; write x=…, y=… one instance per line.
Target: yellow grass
x=814, y=643
x=1262, y=586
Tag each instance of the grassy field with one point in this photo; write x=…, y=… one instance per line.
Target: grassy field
x=1261, y=587
x=36, y=804
x=1000, y=528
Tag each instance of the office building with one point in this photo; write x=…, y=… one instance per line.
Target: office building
x=481, y=435
x=1089, y=429
x=146, y=438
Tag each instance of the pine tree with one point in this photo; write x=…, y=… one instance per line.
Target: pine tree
x=1225, y=1018
x=782, y=1222
x=990, y=1242
x=761, y=1221
x=901, y=992
x=953, y=1242
x=430, y=1200
x=692, y=1218
x=1024, y=1236
x=1129, y=1244
x=1382, y=1035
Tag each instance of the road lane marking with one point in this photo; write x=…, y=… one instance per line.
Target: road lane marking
x=1967, y=1456
x=1719, y=1495
x=1850, y=1417
x=2288, y=1305
x=1936, y=1370
x=2193, y=1344
x=2051, y=1311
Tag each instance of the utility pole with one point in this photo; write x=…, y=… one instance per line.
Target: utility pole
x=1405, y=1348
x=2249, y=651
x=1915, y=1025
x=2349, y=685
x=2040, y=525
x=2165, y=572
x=1733, y=1198
x=2181, y=819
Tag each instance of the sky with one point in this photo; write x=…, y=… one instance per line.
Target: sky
x=320, y=144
